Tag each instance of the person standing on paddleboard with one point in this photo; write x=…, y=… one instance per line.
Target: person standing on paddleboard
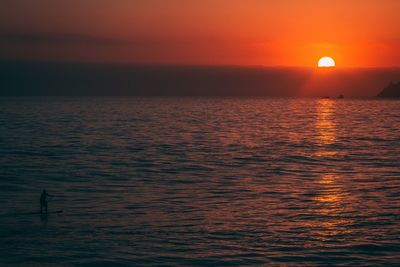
x=43, y=201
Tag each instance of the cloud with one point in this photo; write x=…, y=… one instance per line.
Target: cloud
x=48, y=39
x=59, y=39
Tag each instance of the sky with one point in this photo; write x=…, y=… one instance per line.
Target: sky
x=356, y=33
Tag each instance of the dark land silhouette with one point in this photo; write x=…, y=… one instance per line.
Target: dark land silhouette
x=34, y=78
x=391, y=91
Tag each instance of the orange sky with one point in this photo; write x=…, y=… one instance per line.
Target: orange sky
x=356, y=33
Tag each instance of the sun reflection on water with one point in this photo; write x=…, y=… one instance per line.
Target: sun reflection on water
x=331, y=192
x=325, y=126
x=331, y=198
x=331, y=202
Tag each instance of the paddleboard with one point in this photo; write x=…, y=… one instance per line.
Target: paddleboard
x=38, y=212
x=51, y=212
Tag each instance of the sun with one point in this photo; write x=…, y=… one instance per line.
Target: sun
x=326, y=62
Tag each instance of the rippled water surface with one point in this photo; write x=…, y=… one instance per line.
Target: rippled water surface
x=196, y=182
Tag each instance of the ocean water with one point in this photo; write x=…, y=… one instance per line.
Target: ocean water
x=200, y=181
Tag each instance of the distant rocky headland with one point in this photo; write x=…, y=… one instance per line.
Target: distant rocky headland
x=392, y=90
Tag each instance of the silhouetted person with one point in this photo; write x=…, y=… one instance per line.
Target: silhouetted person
x=43, y=201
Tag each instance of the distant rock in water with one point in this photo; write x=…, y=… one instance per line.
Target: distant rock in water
x=340, y=96
x=392, y=90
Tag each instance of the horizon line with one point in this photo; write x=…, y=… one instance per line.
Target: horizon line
x=183, y=65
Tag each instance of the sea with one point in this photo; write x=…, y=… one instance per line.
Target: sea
x=200, y=181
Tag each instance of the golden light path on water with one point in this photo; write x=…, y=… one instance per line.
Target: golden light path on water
x=331, y=194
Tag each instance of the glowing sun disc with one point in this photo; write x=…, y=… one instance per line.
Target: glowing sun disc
x=326, y=62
